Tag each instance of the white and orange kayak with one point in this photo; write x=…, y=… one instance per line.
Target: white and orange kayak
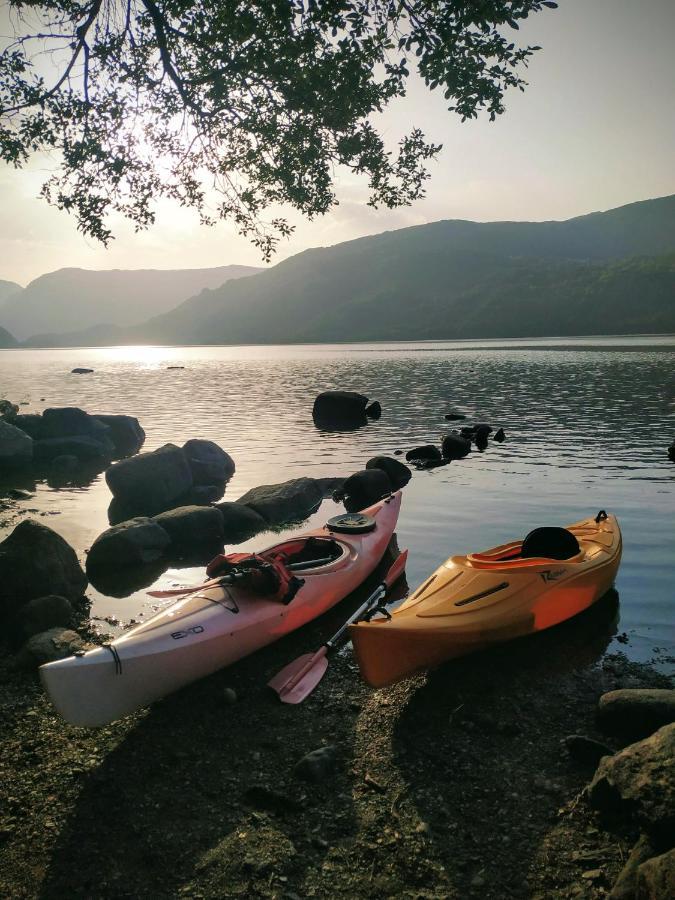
x=475, y=601
x=216, y=625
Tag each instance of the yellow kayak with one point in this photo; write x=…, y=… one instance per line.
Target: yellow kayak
x=472, y=602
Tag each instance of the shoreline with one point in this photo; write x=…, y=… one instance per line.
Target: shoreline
x=449, y=785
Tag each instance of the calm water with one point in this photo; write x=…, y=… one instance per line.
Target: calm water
x=587, y=422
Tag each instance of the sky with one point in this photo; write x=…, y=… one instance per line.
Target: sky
x=595, y=129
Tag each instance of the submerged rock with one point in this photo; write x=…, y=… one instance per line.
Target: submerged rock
x=455, y=417
x=16, y=447
x=636, y=713
x=150, y=482
x=131, y=543
x=286, y=502
x=399, y=474
x=36, y=561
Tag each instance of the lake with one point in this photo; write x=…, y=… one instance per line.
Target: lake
x=587, y=421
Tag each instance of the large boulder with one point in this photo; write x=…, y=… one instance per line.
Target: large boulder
x=656, y=877
x=454, y=446
x=639, y=781
x=16, y=447
x=135, y=542
x=31, y=423
x=340, y=409
x=193, y=526
x=67, y=421
x=636, y=713
x=240, y=522
x=36, y=561
x=41, y=614
x=208, y=462
x=399, y=474
x=124, y=431
x=150, y=482
x=289, y=501
x=364, y=488
x=84, y=447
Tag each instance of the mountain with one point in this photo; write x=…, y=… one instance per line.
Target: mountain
x=73, y=299
x=7, y=290
x=452, y=279
x=607, y=272
x=7, y=339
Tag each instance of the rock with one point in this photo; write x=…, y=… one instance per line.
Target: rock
x=261, y=797
x=125, y=432
x=40, y=614
x=193, y=526
x=8, y=410
x=639, y=782
x=625, y=885
x=364, y=488
x=671, y=452
x=16, y=447
x=336, y=409
x=292, y=500
x=317, y=766
x=240, y=522
x=175, y=367
x=427, y=451
x=36, y=561
x=203, y=494
x=150, y=482
x=135, y=542
x=68, y=421
x=585, y=750
x=483, y=427
x=656, y=878
x=499, y=436
x=64, y=465
x=399, y=475
x=455, y=446
x=48, y=646
x=374, y=411
x=18, y=494
x=83, y=447
x=455, y=417
x=328, y=486
x=636, y=713
x=208, y=462
x=31, y=423
x=80, y=370
x=481, y=435
x=229, y=696
x=467, y=432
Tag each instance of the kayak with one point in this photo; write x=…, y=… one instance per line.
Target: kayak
x=217, y=624
x=473, y=602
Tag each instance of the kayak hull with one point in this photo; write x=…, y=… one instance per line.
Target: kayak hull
x=471, y=603
x=206, y=631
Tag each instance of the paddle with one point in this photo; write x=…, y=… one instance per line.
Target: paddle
x=299, y=678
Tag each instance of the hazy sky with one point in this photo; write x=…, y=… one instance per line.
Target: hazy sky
x=595, y=129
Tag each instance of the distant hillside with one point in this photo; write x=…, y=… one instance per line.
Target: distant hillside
x=7, y=290
x=6, y=339
x=73, y=299
x=610, y=272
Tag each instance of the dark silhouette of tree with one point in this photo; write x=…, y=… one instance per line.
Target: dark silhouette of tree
x=258, y=99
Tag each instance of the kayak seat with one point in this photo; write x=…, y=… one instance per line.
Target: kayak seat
x=550, y=543
x=308, y=550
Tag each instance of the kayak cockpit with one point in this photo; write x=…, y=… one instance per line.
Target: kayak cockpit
x=312, y=553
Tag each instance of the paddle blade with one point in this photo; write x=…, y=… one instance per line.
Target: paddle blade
x=299, y=678
x=396, y=570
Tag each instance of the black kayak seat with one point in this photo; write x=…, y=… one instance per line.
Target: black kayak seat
x=550, y=543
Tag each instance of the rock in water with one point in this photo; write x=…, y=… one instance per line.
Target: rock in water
x=208, y=462
x=82, y=446
x=31, y=423
x=124, y=431
x=289, y=501
x=69, y=421
x=8, y=410
x=640, y=782
x=374, y=411
x=455, y=447
x=426, y=452
x=150, y=482
x=499, y=436
x=135, y=542
x=80, y=370
x=340, y=409
x=399, y=475
x=636, y=713
x=364, y=488
x=240, y=522
x=36, y=561
x=193, y=526
x=16, y=447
